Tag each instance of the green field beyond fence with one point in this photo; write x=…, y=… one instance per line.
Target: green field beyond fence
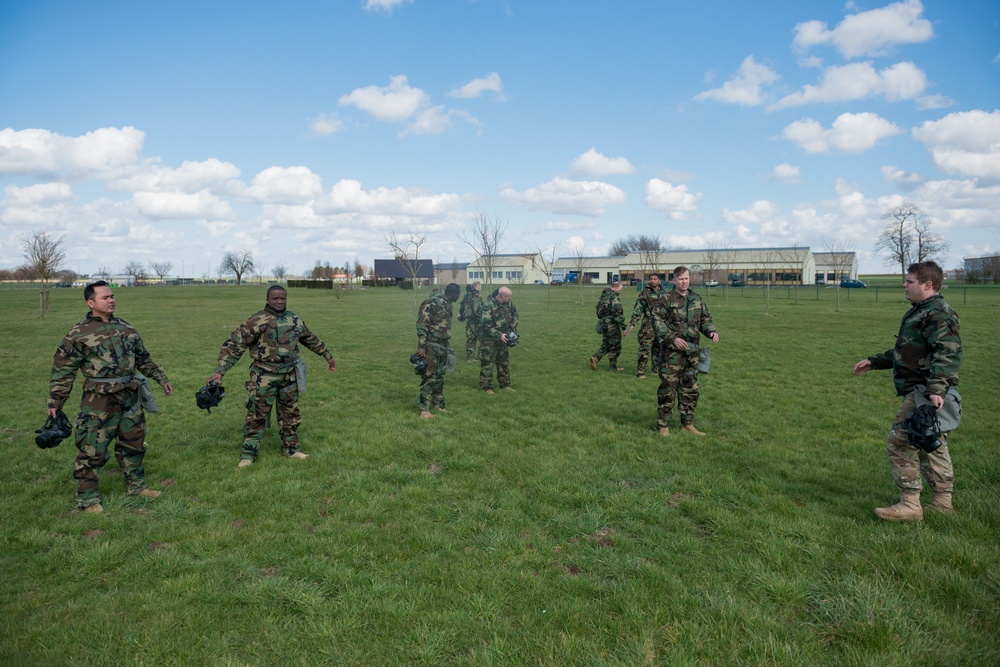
x=549, y=526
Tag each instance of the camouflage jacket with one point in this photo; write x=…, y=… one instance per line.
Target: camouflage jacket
x=434, y=320
x=609, y=308
x=686, y=317
x=100, y=349
x=471, y=309
x=928, y=349
x=273, y=340
x=498, y=318
x=644, y=304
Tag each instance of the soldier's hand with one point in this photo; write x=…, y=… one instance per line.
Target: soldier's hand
x=862, y=367
x=627, y=331
x=167, y=389
x=420, y=352
x=333, y=366
x=680, y=343
x=214, y=377
x=52, y=413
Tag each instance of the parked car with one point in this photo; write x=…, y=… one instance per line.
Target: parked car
x=821, y=281
x=556, y=283
x=849, y=282
x=712, y=283
x=737, y=283
x=539, y=282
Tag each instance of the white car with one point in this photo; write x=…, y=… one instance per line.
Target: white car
x=712, y=283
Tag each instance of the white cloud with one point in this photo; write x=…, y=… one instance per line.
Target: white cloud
x=593, y=163
x=180, y=205
x=566, y=226
x=786, y=173
x=384, y=6
x=872, y=33
x=190, y=177
x=437, y=120
x=42, y=194
x=934, y=102
x=900, y=177
x=491, y=83
x=857, y=81
x=566, y=196
x=347, y=196
x=850, y=133
x=326, y=124
x=285, y=185
x=38, y=151
x=675, y=200
x=396, y=102
x=745, y=87
x=759, y=212
x=965, y=143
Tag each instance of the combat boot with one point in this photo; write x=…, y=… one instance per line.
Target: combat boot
x=664, y=431
x=425, y=414
x=593, y=363
x=907, y=509
x=692, y=430
x=94, y=509
x=941, y=503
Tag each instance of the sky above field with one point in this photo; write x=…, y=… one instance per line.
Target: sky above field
x=313, y=131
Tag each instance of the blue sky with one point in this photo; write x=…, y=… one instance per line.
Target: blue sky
x=311, y=131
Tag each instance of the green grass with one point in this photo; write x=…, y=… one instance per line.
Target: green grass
x=548, y=526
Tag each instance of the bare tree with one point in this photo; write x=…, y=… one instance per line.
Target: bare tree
x=134, y=270
x=647, y=247
x=793, y=258
x=580, y=263
x=929, y=244
x=44, y=255
x=486, y=240
x=713, y=260
x=161, y=268
x=841, y=260
x=546, y=263
x=280, y=271
x=103, y=272
x=407, y=253
x=895, y=242
x=359, y=269
x=237, y=264
x=727, y=257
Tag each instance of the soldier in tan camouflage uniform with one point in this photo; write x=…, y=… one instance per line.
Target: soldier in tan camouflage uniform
x=680, y=318
x=433, y=334
x=609, y=309
x=110, y=354
x=926, y=358
x=273, y=336
x=647, y=337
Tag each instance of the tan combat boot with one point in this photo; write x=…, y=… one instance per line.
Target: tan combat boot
x=425, y=414
x=664, y=431
x=692, y=430
x=941, y=503
x=907, y=509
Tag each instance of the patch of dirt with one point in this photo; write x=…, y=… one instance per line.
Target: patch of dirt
x=168, y=482
x=93, y=533
x=435, y=468
x=238, y=522
x=159, y=546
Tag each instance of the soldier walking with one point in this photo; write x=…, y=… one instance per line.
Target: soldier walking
x=470, y=311
x=433, y=334
x=643, y=309
x=609, y=310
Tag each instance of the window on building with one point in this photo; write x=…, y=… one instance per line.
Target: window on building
x=513, y=275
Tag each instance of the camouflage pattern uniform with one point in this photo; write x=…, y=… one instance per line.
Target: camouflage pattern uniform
x=609, y=309
x=497, y=319
x=273, y=340
x=104, y=351
x=471, y=311
x=646, y=336
x=928, y=352
x=686, y=317
x=433, y=323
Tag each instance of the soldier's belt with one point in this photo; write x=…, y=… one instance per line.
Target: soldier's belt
x=123, y=379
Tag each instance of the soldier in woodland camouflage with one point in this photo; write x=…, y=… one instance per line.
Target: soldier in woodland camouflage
x=433, y=324
x=647, y=337
x=470, y=311
x=926, y=359
x=273, y=336
x=609, y=310
x=110, y=354
x=499, y=318
x=680, y=318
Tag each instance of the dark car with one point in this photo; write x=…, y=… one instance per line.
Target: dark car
x=849, y=282
x=737, y=283
x=556, y=283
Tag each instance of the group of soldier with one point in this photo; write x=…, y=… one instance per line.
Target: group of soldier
x=672, y=323
x=491, y=325
x=115, y=366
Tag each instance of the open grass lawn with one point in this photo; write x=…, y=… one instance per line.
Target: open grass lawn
x=550, y=526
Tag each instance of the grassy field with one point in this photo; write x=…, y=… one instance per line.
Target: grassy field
x=550, y=526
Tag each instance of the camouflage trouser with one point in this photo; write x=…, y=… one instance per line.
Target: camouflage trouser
x=646, y=338
x=907, y=461
x=264, y=391
x=493, y=352
x=103, y=418
x=471, y=339
x=678, y=383
x=611, y=344
x=432, y=381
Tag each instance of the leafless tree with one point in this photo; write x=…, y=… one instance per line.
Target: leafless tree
x=793, y=258
x=727, y=257
x=841, y=259
x=161, y=268
x=485, y=238
x=647, y=247
x=359, y=269
x=280, y=271
x=928, y=244
x=44, y=255
x=713, y=260
x=546, y=263
x=407, y=253
x=103, y=272
x=135, y=270
x=237, y=264
x=895, y=242
x=580, y=263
